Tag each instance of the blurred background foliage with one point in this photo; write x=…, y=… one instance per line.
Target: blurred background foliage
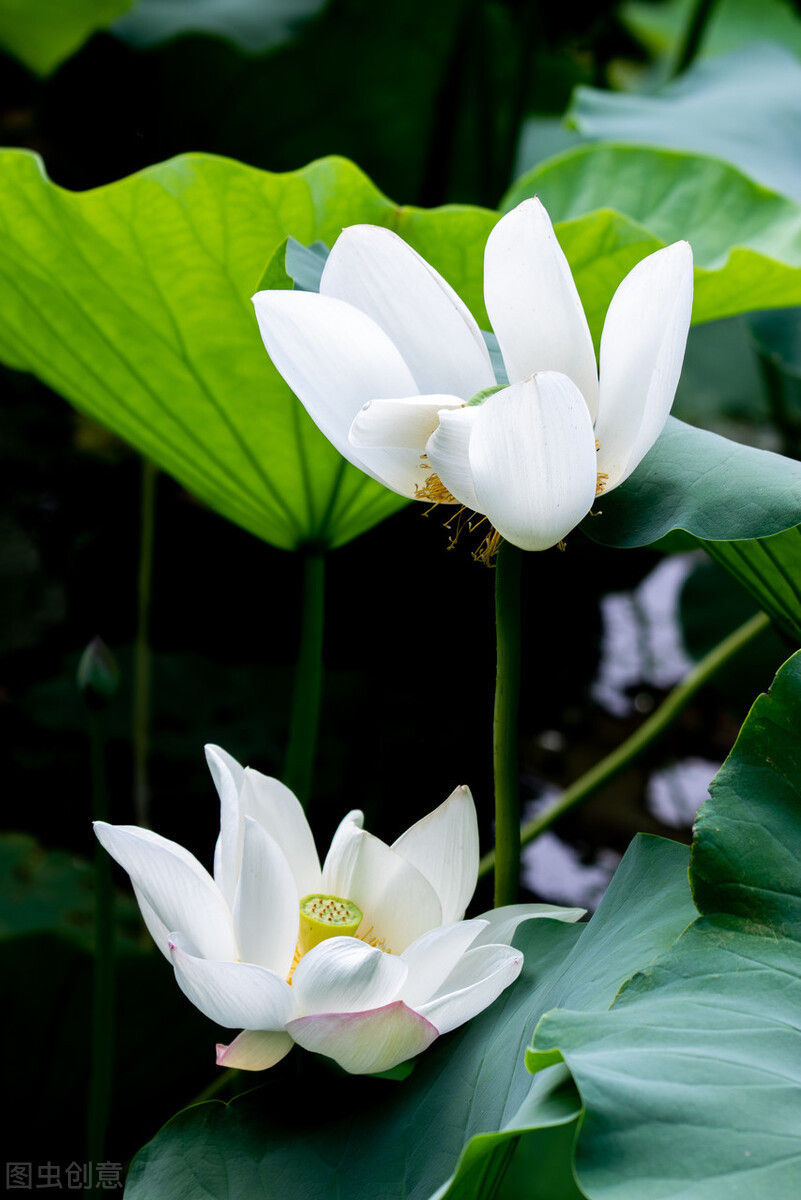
x=437, y=103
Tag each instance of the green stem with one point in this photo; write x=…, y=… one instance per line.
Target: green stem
x=103, y=975
x=504, y=740
x=634, y=746
x=305, y=715
x=216, y=1086
x=694, y=35
x=142, y=654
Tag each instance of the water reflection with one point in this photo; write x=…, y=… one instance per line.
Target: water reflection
x=675, y=793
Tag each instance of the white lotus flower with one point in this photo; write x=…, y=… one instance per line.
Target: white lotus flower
x=258, y=946
x=387, y=357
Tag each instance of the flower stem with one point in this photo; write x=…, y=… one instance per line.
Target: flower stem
x=504, y=741
x=691, y=44
x=305, y=715
x=142, y=653
x=660, y=720
x=103, y=974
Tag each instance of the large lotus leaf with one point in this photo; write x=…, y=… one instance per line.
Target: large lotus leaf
x=133, y=301
x=254, y=25
x=692, y=1080
x=770, y=569
x=317, y=1135
x=711, y=487
x=746, y=240
x=42, y=33
x=744, y=107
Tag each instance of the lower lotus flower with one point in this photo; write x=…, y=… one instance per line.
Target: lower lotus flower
x=394, y=370
x=365, y=960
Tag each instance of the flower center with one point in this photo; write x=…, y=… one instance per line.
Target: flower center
x=324, y=917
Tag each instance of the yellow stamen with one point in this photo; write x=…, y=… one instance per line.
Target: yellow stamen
x=601, y=481
x=435, y=491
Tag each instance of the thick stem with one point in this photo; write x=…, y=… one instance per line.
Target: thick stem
x=641, y=739
x=505, y=745
x=102, y=1060
x=696, y=28
x=142, y=655
x=305, y=715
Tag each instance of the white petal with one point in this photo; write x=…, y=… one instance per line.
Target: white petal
x=227, y=775
x=266, y=913
x=335, y=359
x=180, y=892
x=501, y=923
x=254, y=1050
x=367, y=1041
x=533, y=304
x=448, y=451
x=642, y=351
x=444, y=848
x=398, y=903
x=231, y=993
x=406, y=423
x=477, y=980
x=374, y=270
x=342, y=974
x=279, y=811
x=433, y=956
x=159, y=932
x=532, y=454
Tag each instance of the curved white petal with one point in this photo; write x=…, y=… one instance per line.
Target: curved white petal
x=477, y=980
x=532, y=454
x=642, y=351
x=501, y=923
x=399, y=904
x=533, y=304
x=180, y=892
x=159, y=932
x=444, y=848
x=335, y=359
x=433, y=956
x=227, y=775
x=365, y=1042
x=266, y=913
x=406, y=423
x=254, y=1050
x=231, y=993
x=448, y=451
x=342, y=974
x=279, y=811
x=374, y=270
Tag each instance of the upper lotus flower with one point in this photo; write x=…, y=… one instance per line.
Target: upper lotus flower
x=261, y=947
x=386, y=359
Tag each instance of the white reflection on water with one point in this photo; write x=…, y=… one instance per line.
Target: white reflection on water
x=642, y=642
x=555, y=870
x=675, y=794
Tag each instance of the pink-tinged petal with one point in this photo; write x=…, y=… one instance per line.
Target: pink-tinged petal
x=179, y=891
x=642, y=351
x=374, y=270
x=532, y=454
x=444, y=848
x=433, y=956
x=254, y=1050
x=406, y=423
x=227, y=775
x=343, y=974
x=231, y=993
x=335, y=359
x=501, y=923
x=279, y=812
x=398, y=902
x=475, y=982
x=366, y=1042
x=448, y=451
x=533, y=303
x=266, y=913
